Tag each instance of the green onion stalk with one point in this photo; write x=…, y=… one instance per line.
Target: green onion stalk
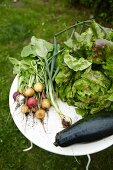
x=51, y=73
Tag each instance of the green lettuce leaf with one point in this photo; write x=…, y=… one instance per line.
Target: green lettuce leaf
x=96, y=77
x=109, y=33
x=78, y=41
x=71, y=42
x=76, y=64
x=86, y=38
x=61, y=92
x=63, y=77
x=61, y=63
x=97, y=31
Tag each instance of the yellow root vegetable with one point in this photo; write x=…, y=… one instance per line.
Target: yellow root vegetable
x=40, y=114
x=38, y=87
x=24, y=108
x=29, y=92
x=45, y=104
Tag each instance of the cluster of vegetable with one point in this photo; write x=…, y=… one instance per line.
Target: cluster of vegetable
x=85, y=80
x=85, y=77
x=31, y=93
x=79, y=72
x=36, y=73
x=32, y=100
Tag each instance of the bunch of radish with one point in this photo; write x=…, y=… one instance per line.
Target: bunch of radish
x=33, y=100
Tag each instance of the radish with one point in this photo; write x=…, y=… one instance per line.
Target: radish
x=45, y=104
x=20, y=99
x=40, y=114
x=38, y=87
x=15, y=94
x=25, y=109
x=29, y=92
x=32, y=102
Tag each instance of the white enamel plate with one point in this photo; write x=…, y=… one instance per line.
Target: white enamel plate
x=44, y=135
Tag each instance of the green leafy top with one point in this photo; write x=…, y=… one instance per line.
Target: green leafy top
x=37, y=47
x=32, y=66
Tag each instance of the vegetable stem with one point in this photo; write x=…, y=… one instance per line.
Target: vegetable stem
x=56, y=72
x=67, y=120
x=72, y=26
x=54, y=53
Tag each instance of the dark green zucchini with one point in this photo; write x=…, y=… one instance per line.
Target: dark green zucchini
x=86, y=130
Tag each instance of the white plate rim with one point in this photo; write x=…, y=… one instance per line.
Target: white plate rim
x=89, y=148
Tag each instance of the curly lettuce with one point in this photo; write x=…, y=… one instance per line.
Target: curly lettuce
x=85, y=77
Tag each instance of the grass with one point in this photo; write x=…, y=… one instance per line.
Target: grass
x=18, y=22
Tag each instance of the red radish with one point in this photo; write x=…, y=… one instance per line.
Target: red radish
x=15, y=94
x=32, y=102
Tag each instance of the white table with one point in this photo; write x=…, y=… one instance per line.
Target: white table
x=33, y=130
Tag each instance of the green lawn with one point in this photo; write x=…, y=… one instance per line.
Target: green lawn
x=18, y=22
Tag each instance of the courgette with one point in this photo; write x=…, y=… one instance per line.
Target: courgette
x=86, y=130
